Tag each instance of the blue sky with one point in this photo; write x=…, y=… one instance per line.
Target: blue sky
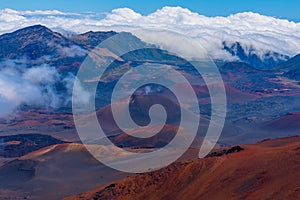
x=288, y=9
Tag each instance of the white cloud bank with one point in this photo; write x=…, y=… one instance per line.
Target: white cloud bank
x=264, y=33
x=21, y=83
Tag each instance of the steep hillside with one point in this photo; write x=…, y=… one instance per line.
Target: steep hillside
x=267, y=170
x=291, y=68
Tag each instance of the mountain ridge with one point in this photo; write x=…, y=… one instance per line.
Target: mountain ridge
x=41, y=36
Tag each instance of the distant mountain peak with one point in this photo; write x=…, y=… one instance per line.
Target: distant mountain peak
x=32, y=29
x=32, y=42
x=258, y=58
x=37, y=26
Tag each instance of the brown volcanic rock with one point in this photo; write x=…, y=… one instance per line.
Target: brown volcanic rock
x=54, y=172
x=39, y=121
x=288, y=122
x=92, y=39
x=157, y=141
x=22, y=144
x=139, y=111
x=233, y=95
x=267, y=170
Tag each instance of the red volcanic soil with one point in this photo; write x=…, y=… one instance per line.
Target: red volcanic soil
x=140, y=111
x=288, y=122
x=233, y=95
x=48, y=122
x=267, y=170
x=54, y=172
x=236, y=96
x=158, y=140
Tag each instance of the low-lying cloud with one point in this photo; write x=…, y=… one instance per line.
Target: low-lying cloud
x=14, y=90
x=41, y=75
x=22, y=84
x=72, y=51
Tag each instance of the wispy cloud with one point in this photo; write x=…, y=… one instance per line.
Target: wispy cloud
x=21, y=83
